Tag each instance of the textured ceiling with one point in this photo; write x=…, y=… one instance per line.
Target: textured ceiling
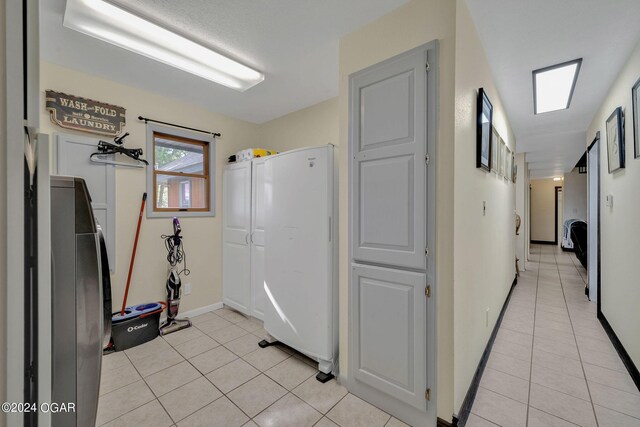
x=520, y=36
x=294, y=42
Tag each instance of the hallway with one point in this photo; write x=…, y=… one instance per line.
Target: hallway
x=548, y=343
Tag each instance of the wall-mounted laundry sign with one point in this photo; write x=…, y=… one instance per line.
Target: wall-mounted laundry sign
x=74, y=112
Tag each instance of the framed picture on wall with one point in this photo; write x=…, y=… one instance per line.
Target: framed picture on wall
x=501, y=154
x=508, y=166
x=484, y=131
x=495, y=142
x=635, y=96
x=615, y=140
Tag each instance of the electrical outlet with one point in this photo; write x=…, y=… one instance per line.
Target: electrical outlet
x=187, y=288
x=486, y=318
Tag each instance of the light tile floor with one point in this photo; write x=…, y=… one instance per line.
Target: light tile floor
x=214, y=374
x=552, y=363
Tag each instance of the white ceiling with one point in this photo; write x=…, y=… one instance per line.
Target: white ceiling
x=294, y=42
x=520, y=36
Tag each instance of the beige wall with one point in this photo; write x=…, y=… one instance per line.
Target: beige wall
x=3, y=205
x=411, y=25
x=484, y=244
x=312, y=126
x=543, y=209
x=620, y=228
x=574, y=189
x=202, y=236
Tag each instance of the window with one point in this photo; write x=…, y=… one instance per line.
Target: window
x=181, y=174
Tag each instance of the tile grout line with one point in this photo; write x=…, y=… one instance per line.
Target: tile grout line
x=489, y=421
x=238, y=357
x=240, y=385
x=336, y=404
x=223, y=394
x=157, y=398
x=577, y=347
x=205, y=375
x=147, y=385
x=533, y=338
x=500, y=393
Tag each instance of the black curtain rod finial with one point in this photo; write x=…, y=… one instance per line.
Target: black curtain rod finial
x=147, y=120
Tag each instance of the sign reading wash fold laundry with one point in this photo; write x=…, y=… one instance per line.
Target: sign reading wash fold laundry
x=74, y=112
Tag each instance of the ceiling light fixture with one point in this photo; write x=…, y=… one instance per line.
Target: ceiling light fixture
x=109, y=23
x=553, y=86
x=557, y=179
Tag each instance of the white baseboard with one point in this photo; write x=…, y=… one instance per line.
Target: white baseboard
x=202, y=310
x=195, y=312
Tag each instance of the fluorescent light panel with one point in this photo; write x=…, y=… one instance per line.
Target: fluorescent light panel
x=553, y=86
x=104, y=21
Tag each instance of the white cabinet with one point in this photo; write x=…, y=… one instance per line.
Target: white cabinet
x=257, y=238
x=243, y=237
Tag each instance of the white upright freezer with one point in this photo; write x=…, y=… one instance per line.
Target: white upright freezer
x=301, y=286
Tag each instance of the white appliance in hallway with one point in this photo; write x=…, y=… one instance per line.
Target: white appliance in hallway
x=243, y=237
x=301, y=308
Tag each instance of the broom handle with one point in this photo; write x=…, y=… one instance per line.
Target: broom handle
x=133, y=254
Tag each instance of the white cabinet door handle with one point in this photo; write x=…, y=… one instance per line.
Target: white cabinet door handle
x=251, y=237
x=246, y=238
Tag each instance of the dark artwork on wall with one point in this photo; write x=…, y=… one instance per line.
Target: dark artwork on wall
x=484, y=131
x=615, y=140
x=87, y=115
x=635, y=96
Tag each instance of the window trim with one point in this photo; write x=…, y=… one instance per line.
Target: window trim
x=204, y=175
x=208, y=142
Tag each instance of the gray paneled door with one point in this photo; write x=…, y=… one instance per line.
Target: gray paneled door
x=72, y=154
x=389, y=172
x=390, y=323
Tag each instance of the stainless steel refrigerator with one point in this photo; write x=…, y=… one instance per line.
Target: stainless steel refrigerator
x=81, y=307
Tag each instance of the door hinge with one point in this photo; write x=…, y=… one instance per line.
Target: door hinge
x=427, y=159
x=427, y=394
x=427, y=66
x=427, y=291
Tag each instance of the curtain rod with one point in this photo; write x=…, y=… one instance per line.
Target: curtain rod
x=147, y=120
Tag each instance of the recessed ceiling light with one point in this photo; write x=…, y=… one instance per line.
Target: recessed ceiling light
x=557, y=179
x=109, y=23
x=553, y=86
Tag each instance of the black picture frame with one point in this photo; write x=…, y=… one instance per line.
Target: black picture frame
x=635, y=102
x=615, y=140
x=484, y=133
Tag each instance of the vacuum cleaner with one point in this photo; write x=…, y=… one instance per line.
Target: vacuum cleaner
x=175, y=256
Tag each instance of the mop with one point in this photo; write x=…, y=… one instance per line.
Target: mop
x=175, y=256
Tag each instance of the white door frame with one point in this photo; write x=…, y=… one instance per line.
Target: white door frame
x=23, y=89
x=593, y=225
x=62, y=166
x=411, y=414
